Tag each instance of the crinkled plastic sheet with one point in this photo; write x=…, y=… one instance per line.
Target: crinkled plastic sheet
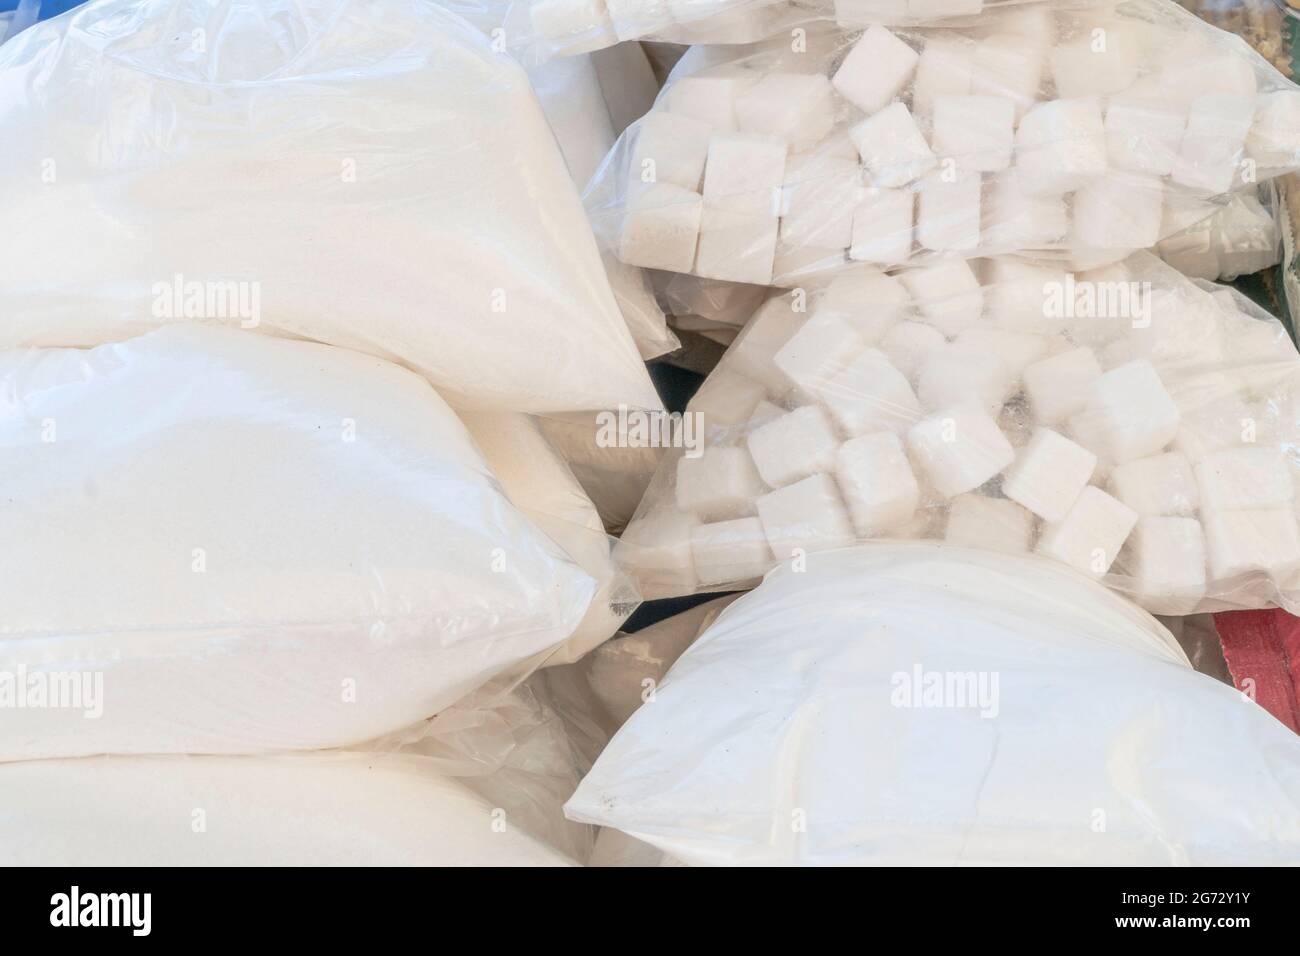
x=1073, y=134
x=537, y=29
x=1134, y=423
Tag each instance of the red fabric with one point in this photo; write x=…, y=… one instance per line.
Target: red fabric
x=1262, y=649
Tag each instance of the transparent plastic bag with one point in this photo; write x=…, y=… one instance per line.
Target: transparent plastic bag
x=364, y=173
x=573, y=100
x=308, y=809
x=537, y=29
x=541, y=486
x=908, y=703
x=1073, y=134
x=614, y=474
x=1128, y=421
x=236, y=543
x=1241, y=238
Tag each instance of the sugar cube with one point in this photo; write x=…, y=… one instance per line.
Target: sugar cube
x=794, y=446
x=891, y=146
x=948, y=212
x=669, y=148
x=1143, y=135
x=1008, y=66
x=959, y=449
x=876, y=481
x=1091, y=534
x=993, y=524
x=1131, y=410
x=1048, y=474
x=822, y=348
x=1121, y=211
x=1274, y=138
x=808, y=515
x=1060, y=146
x=947, y=294
x=730, y=552
x=709, y=96
x=661, y=227
x=1247, y=477
x=818, y=197
x=795, y=265
x=721, y=483
x=744, y=174
x=796, y=107
x=1057, y=386
x=871, y=302
x=957, y=373
x=882, y=226
x=943, y=69
x=976, y=131
x=871, y=395
x=875, y=70
x=1101, y=63
x=907, y=344
x=1025, y=296
x=1214, y=142
x=1258, y=539
x=736, y=246
x=1015, y=221
x=1166, y=559
x=726, y=398
x=1155, y=486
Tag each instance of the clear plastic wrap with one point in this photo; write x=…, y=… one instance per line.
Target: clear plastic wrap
x=541, y=486
x=1079, y=135
x=623, y=673
x=1241, y=238
x=614, y=474
x=310, y=809
x=909, y=703
x=236, y=543
x=537, y=29
x=573, y=100
x=364, y=173
x=1128, y=421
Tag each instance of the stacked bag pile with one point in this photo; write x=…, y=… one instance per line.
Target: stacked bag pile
x=312, y=320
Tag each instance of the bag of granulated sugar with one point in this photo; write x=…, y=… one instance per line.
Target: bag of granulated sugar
x=372, y=175
x=907, y=703
x=1080, y=135
x=327, y=808
x=238, y=543
x=537, y=29
x=1126, y=421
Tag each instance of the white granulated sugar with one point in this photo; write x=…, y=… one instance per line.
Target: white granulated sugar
x=258, y=544
x=374, y=175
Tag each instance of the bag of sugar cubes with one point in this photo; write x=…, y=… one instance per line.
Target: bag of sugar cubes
x=1079, y=134
x=539, y=29
x=1128, y=421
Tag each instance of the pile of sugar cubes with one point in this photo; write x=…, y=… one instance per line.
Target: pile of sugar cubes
x=1093, y=132
x=1124, y=420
